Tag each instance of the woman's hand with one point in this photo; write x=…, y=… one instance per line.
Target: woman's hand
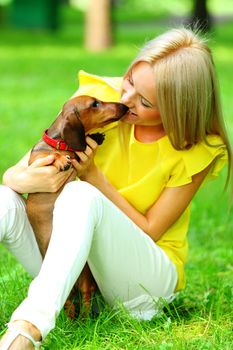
x=86, y=167
x=40, y=176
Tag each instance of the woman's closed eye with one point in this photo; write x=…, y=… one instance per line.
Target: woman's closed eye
x=145, y=103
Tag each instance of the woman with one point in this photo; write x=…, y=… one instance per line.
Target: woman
x=128, y=216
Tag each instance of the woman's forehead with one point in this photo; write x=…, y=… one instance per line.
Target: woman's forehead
x=144, y=80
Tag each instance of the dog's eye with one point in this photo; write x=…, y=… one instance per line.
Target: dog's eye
x=95, y=104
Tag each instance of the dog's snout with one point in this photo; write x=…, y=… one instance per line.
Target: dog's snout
x=122, y=109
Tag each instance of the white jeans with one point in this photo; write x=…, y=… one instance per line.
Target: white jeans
x=125, y=262
x=15, y=231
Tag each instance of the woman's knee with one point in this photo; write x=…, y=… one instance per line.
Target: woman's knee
x=9, y=199
x=12, y=213
x=77, y=192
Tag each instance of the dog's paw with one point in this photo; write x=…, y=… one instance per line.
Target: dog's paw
x=98, y=137
x=70, y=309
x=62, y=162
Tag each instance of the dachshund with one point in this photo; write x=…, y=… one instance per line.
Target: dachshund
x=79, y=117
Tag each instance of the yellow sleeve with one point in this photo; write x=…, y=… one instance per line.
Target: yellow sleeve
x=196, y=159
x=106, y=89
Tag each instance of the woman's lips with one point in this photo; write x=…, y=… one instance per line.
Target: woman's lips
x=132, y=113
x=130, y=117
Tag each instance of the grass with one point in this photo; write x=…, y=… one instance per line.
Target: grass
x=38, y=73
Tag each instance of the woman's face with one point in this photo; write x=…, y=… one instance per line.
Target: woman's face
x=138, y=93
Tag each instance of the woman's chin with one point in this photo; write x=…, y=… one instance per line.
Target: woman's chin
x=129, y=118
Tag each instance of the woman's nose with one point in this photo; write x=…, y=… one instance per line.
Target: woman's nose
x=127, y=97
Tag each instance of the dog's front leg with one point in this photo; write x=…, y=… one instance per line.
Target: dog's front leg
x=87, y=285
x=40, y=214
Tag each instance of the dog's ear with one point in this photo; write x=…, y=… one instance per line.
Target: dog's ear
x=72, y=130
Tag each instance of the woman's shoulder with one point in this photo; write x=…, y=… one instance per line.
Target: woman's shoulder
x=188, y=162
x=207, y=149
x=212, y=145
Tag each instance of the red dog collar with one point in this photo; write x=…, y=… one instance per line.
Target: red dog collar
x=58, y=144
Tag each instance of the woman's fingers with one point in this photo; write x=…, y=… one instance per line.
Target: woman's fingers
x=91, y=143
x=45, y=177
x=40, y=162
x=61, y=178
x=89, y=151
x=86, y=158
x=83, y=156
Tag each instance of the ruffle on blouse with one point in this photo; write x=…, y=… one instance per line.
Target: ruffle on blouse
x=197, y=158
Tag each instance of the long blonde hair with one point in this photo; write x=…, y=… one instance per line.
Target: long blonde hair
x=186, y=88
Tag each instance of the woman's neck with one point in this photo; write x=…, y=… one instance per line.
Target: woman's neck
x=148, y=133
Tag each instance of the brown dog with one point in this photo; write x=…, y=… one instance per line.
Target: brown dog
x=79, y=116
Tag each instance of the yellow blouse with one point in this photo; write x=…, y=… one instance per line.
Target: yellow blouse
x=142, y=170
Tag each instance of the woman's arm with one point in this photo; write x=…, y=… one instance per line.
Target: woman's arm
x=37, y=177
x=165, y=211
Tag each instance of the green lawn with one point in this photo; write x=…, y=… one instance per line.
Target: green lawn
x=37, y=74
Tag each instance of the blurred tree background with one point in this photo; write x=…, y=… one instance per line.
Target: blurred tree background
x=99, y=19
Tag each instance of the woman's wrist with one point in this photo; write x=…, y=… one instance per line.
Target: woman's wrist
x=13, y=179
x=92, y=175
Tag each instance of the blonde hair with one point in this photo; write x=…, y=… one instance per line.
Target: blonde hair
x=186, y=88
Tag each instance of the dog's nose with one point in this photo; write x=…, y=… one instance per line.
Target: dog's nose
x=122, y=109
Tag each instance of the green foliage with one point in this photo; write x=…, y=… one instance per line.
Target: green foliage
x=38, y=73
x=136, y=10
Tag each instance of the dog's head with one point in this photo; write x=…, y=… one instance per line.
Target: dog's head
x=82, y=114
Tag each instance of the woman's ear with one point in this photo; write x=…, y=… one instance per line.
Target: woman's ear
x=72, y=130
